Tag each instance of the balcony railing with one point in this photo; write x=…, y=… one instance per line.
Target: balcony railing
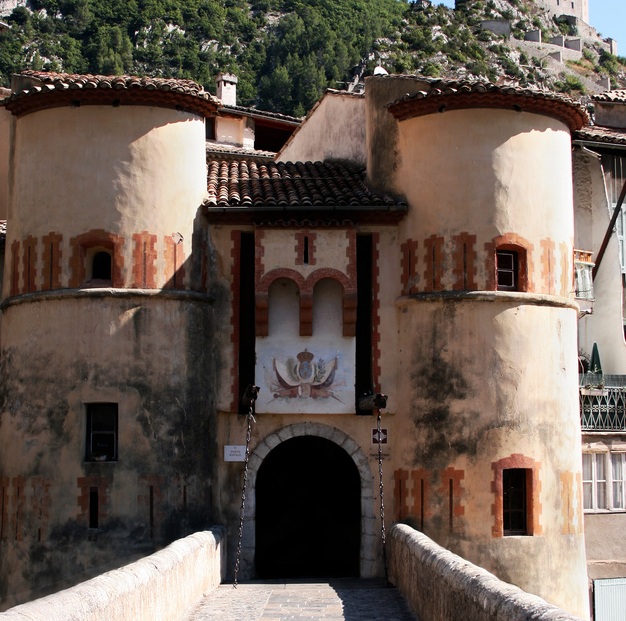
x=602, y=402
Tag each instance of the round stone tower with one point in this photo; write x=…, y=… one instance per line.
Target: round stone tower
x=106, y=373
x=487, y=363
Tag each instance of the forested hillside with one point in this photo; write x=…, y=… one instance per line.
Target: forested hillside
x=284, y=52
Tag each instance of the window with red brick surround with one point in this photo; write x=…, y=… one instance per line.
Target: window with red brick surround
x=522, y=249
x=532, y=487
x=90, y=488
x=305, y=248
x=85, y=247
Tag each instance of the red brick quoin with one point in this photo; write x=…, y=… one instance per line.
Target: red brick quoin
x=144, y=260
x=51, y=278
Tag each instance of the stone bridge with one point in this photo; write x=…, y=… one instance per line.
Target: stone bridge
x=181, y=583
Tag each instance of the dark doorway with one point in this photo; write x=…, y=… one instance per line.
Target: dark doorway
x=308, y=511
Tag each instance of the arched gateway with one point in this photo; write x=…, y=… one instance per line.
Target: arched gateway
x=310, y=483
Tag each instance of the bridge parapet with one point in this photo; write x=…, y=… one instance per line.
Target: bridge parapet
x=441, y=585
x=161, y=587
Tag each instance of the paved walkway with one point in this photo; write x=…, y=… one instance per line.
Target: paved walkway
x=337, y=600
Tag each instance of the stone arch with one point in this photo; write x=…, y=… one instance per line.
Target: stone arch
x=370, y=564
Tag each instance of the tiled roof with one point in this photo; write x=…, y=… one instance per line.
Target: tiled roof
x=299, y=186
x=457, y=95
x=604, y=135
x=618, y=96
x=43, y=89
x=262, y=114
x=234, y=151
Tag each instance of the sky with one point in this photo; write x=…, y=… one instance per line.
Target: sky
x=607, y=16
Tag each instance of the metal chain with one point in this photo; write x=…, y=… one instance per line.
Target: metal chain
x=243, y=493
x=383, y=535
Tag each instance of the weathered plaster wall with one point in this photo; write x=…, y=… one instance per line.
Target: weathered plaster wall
x=456, y=588
x=334, y=129
x=610, y=114
x=144, y=175
x=148, y=355
x=234, y=130
x=606, y=325
x=605, y=538
x=164, y=586
x=381, y=133
x=6, y=121
x=129, y=179
x=470, y=418
x=477, y=179
x=512, y=175
x=605, y=541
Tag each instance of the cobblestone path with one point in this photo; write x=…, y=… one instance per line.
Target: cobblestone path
x=338, y=600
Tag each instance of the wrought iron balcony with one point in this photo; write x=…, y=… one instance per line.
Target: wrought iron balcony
x=602, y=402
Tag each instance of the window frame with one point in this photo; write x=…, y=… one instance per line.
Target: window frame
x=91, y=411
x=513, y=270
x=606, y=458
x=525, y=476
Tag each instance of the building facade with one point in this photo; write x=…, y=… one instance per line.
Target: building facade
x=416, y=241
x=599, y=174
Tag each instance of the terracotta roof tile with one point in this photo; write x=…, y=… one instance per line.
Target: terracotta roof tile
x=42, y=89
x=262, y=114
x=258, y=184
x=618, y=96
x=222, y=149
x=605, y=135
x=457, y=95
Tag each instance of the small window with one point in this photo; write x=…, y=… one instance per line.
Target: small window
x=101, y=444
x=209, y=128
x=583, y=281
x=507, y=270
x=583, y=274
x=101, y=266
x=514, y=501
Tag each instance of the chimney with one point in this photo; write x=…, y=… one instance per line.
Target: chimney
x=227, y=88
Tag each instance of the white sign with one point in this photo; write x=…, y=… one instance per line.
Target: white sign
x=234, y=452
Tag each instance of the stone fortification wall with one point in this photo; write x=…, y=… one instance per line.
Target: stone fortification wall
x=455, y=588
x=161, y=586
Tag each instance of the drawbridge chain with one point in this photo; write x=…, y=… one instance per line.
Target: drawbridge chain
x=248, y=399
x=383, y=535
